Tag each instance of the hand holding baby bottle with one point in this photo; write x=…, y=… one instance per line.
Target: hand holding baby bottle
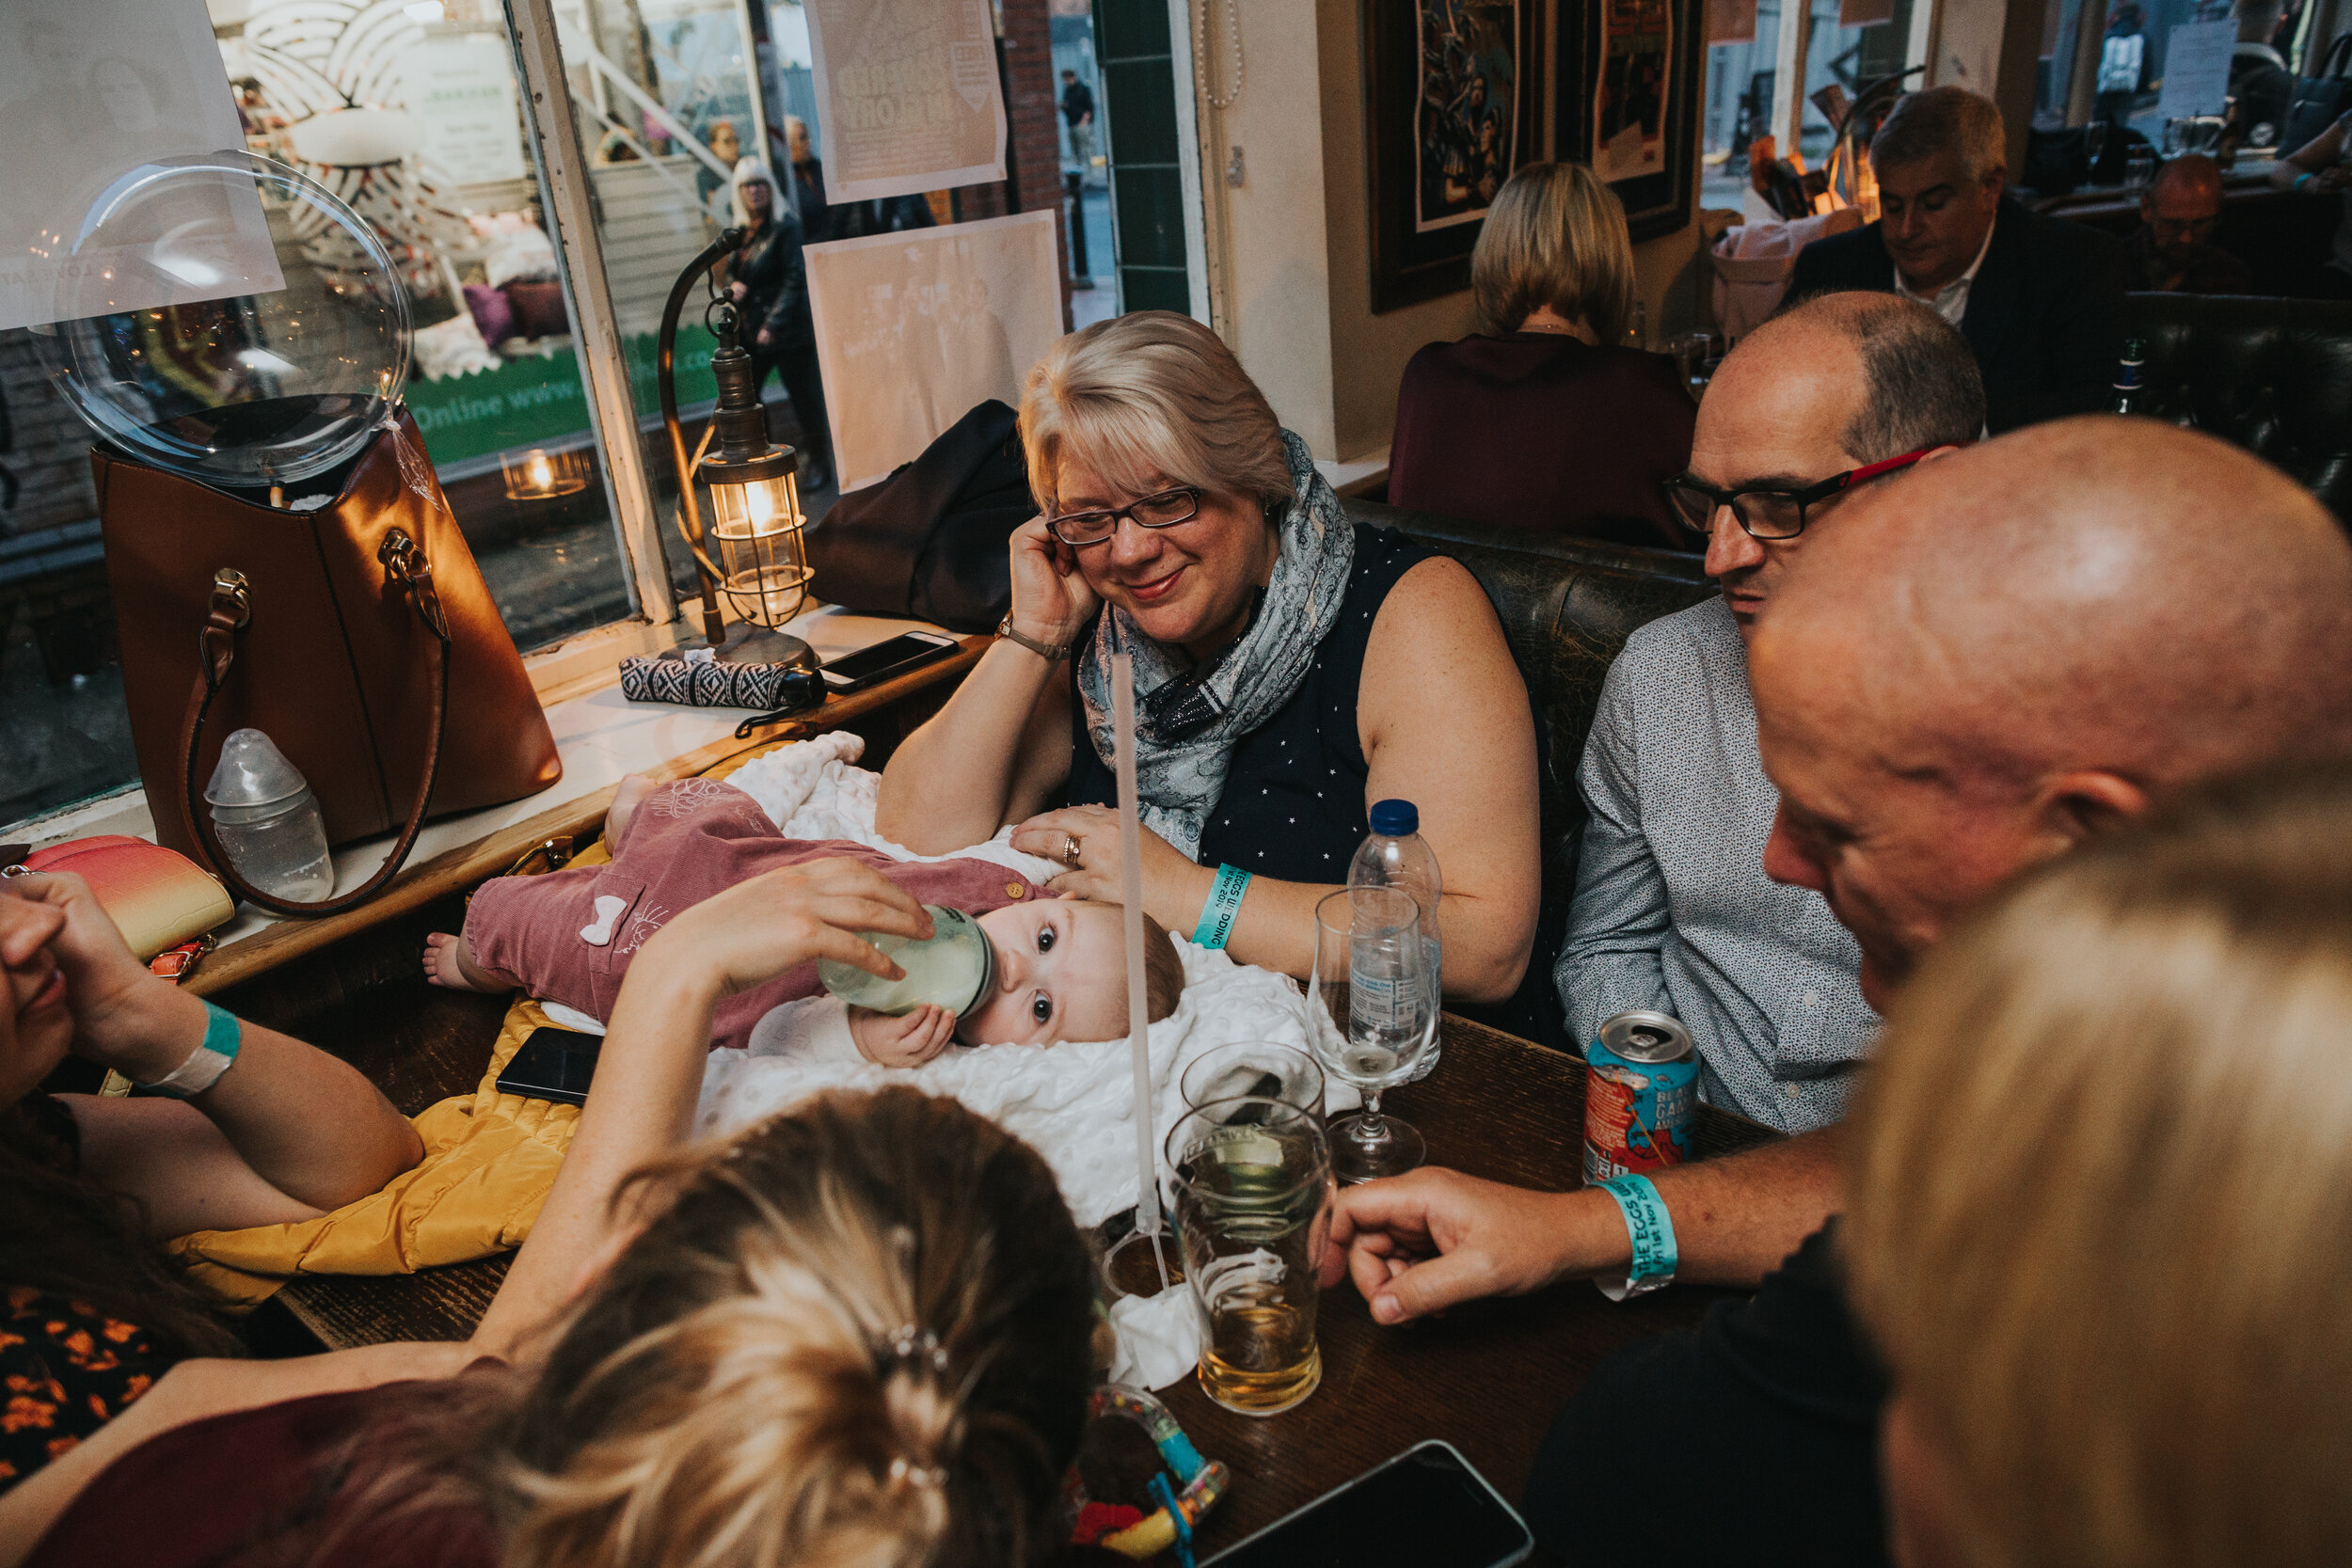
x=907, y=1039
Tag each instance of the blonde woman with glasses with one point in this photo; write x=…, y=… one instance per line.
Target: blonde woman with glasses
x=1544, y=418
x=2101, y=1222
x=1292, y=668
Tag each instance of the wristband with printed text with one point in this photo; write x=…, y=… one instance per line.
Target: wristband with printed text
x=223, y=1035
x=1217, y=917
x=1652, y=1230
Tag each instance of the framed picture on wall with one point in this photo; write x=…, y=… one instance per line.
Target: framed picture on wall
x=1629, y=102
x=1450, y=110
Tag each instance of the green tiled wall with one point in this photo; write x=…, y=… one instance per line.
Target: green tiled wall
x=1132, y=46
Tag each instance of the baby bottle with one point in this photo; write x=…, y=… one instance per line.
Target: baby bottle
x=955, y=969
x=268, y=820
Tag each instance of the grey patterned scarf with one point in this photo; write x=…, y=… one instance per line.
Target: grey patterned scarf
x=1180, y=760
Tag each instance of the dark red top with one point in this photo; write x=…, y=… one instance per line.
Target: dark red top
x=246, y=1490
x=219, y=1492
x=1538, y=430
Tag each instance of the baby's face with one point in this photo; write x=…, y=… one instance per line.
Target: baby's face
x=1061, y=974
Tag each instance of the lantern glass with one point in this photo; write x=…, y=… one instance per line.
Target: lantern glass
x=763, y=569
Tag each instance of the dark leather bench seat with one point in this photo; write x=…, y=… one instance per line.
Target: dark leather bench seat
x=2273, y=375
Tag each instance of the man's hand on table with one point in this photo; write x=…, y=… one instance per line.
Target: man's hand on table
x=1418, y=1243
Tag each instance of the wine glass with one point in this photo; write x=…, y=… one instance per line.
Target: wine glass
x=1374, y=1013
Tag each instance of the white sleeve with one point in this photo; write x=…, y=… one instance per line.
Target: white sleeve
x=815, y=1029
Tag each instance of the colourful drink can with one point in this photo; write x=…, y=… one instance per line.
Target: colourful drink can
x=1640, y=1077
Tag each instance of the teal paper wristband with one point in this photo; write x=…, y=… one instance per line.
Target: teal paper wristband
x=1216, y=917
x=1652, y=1230
x=223, y=1035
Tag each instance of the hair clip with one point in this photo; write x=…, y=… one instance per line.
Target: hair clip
x=913, y=1347
x=903, y=1472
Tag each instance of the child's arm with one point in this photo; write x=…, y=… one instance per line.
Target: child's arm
x=906, y=1041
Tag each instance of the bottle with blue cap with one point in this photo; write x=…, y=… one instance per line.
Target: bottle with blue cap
x=1395, y=855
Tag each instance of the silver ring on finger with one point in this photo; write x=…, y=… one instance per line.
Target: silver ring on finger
x=1070, y=851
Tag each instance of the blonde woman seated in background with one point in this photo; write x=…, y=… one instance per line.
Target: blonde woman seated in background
x=861, y=1332
x=2102, y=1213
x=1542, y=419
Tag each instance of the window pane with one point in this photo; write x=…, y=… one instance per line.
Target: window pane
x=447, y=180
x=667, y=97
x=1738, y=109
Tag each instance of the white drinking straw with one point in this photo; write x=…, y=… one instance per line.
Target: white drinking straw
x=1138, y=1009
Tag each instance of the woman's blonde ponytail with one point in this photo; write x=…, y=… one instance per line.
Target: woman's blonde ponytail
x=860, y=1335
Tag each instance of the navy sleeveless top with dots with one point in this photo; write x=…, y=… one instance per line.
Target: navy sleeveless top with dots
x=1293, y=802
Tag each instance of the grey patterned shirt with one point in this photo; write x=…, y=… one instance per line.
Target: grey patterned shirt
x=1673, y=909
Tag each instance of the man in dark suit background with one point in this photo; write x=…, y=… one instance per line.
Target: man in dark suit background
x=2040, y=300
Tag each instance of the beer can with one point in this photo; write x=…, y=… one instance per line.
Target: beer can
x=1640, y=1077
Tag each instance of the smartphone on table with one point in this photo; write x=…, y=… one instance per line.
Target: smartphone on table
x=896, y=656
x=1426, y=1508
x=553, y=1063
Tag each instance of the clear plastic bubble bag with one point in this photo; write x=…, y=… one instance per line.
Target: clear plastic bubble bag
x=227, y=319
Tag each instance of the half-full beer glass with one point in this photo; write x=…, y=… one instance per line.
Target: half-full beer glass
x=1253, y=1206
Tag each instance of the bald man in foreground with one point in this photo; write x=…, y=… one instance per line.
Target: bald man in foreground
x=2062, y=626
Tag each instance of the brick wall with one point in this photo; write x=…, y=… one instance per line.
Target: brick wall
x=51, y=454
x=1035, y=148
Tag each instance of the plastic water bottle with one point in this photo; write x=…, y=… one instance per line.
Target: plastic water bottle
x=1395, y=855
x=956, y=969
x=268, y=820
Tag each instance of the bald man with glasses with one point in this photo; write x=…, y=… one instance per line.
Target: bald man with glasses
x=1673, y=911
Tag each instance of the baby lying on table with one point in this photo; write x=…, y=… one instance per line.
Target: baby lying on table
x=568, y=936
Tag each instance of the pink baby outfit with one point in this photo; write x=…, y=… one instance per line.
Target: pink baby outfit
x=568, y=936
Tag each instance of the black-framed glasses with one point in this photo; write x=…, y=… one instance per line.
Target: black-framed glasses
x=1774, y=514
x=1165, y=510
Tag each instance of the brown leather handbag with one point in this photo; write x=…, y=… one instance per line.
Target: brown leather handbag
x=352, y=635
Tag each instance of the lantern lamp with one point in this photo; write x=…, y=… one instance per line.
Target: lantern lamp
x=762, y=565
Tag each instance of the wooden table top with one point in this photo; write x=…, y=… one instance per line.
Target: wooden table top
x=1487, y=1377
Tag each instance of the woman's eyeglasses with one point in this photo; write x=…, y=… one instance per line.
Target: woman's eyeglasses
x=1165, y=510
x=1774, y=514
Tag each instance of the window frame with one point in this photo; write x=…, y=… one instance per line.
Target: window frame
x=659, y=621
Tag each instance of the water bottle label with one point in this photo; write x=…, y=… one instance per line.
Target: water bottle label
x=1372, y=1003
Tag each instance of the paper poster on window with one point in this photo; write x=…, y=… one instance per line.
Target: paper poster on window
x=1464, y=147
x=92, y=90
x=2197, y=69
x=1630, y=100
x=915, y=328
x=461, y=88
x=907, y=95
x=1730, y=21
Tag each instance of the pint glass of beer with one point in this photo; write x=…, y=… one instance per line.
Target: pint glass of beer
x=1253, y=1204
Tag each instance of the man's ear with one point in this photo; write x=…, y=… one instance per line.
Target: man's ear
x=1935, y=453
x=2074, y=806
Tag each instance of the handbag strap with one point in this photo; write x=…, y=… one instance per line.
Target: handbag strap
x=229, y=613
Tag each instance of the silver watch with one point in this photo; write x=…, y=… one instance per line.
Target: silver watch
x=1052, y=653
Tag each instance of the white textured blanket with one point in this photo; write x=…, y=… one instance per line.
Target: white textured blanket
x=1071, y=1102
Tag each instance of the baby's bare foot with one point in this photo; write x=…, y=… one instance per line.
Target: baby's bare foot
x=448, y=962
x=625, y=795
